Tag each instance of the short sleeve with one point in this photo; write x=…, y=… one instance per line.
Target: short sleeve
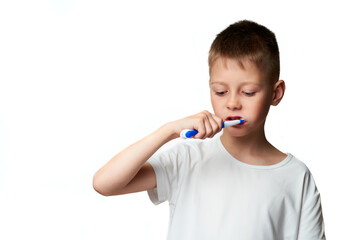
x=168, y=166
x=311, y=218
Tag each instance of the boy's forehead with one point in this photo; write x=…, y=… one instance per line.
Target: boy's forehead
x=224, y=68
x=229, y=63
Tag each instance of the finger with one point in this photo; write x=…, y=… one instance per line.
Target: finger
x=210, y=123
x=203, y=125
x=216, y=124
x=208, y=126
x=200, y=127
x=218, y=120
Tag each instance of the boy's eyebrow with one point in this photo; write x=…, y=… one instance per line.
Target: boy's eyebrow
x=244, y=83
x=211, y=82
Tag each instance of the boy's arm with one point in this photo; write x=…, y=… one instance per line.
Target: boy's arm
x=311, y=218
x=128, y=166
x=128, y=171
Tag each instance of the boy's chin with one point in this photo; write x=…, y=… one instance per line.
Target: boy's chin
x=236, y=131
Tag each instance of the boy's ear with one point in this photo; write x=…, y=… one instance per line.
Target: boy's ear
x=278, y=92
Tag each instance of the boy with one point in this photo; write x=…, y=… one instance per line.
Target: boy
x=235, y=185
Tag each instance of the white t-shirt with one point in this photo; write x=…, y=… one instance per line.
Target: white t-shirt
x=214, y=196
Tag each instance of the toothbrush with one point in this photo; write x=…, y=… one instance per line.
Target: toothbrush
x=187, y=133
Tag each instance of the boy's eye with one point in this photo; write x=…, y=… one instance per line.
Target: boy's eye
x=220, y=93
x=249, y=94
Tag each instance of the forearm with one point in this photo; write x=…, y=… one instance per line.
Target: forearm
x=123, y=167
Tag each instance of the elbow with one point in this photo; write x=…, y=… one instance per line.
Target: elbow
x=99, y=187
x=100, y=191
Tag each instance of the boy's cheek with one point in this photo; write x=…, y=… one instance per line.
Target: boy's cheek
x=258, y=112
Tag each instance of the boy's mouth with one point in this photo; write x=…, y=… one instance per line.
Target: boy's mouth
x=230, y=118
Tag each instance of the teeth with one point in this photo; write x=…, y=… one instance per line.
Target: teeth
x=233, y=118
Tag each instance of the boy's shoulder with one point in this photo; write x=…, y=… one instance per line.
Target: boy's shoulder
x=298, y=166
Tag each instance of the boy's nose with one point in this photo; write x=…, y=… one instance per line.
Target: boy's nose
x=233, y=103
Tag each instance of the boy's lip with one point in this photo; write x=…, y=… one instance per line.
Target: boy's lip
x=229, y=118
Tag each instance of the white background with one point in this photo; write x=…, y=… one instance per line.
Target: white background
x=81, y=80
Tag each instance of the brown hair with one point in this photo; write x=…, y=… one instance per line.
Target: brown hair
x=247, y=40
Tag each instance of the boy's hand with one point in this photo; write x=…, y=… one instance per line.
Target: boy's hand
x=206, y=123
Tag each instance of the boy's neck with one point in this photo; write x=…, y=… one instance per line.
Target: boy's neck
x=252, y=149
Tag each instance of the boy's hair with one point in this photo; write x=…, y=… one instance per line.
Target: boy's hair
x=247, y=40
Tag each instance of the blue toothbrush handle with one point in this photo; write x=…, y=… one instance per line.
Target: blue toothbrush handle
x=187, y=133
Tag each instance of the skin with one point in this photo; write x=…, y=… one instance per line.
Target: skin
x=245, y=92
x=234, y=91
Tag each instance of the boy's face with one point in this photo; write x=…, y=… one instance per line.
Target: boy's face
x=237, y=92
